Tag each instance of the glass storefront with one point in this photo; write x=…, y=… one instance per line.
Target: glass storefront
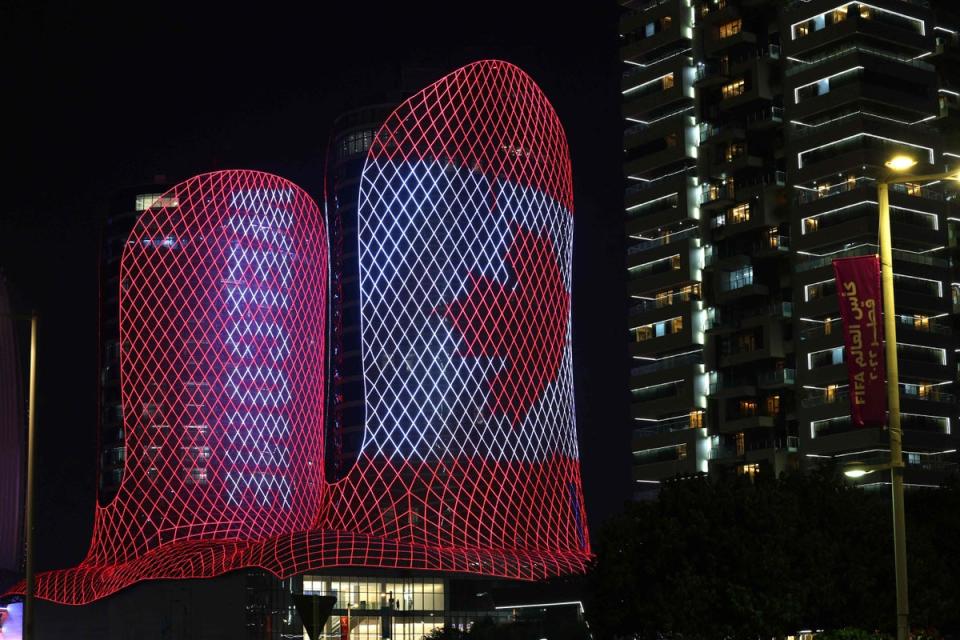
x=404, y=609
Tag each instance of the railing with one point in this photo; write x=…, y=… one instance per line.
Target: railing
x=770, y=114
x=663, y=301
x=668, y=363
x=843, y=395
x=780, y=376
x=711, y=192
x=737, y=282
x=808, y=63
x=680, y=423
x=917, y=191
x=798, y=131
x=722, y=452
x=774, y=310
x=780, y=243
x=872, y=249
x=665, y=239
x=905, y=322
x=728, y=382
x=807, y=195
x=639, y=187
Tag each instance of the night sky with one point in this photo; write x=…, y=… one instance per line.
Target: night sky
x=108, y=96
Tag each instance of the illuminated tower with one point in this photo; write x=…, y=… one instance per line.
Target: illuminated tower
x=465, y=224
x=126, y=206
x=469, y=461
x=349, y=141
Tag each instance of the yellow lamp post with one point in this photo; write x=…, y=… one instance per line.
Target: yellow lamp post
x=29, y=512
x=899, y=164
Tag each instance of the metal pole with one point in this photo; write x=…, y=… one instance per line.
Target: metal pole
x=28, y=524
x=348, y=621
x=893, y=402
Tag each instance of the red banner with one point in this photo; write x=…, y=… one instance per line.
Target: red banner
x=344, y=627
x=858, y=289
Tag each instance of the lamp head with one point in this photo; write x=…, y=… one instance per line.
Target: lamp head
x=856, y=473
x=900, y=162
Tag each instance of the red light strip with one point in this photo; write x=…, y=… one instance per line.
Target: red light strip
x=469, y=462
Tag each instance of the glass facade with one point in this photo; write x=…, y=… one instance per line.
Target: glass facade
x=388, y=607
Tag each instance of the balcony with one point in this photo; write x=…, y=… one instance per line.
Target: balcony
x=872, y=249
x=669, y=362
x=777, y=378
x=661, y=302
x=660, y=241
x=667, y=425
x=930, y=394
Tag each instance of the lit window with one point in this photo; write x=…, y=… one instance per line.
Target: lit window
x=840, y=14
x=146, y=201
x=865, y=12
x=747, y=408
x=773, y=405
x=734, y=150
x=810, y=224
x=734, y=89
x=912, y=189
x=740, y=213
x=740, y=443
x=667, y=81
x=749, y=470
x=696, y=419
x=731, y=28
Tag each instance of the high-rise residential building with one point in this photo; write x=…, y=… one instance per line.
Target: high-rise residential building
x=350, y=138
x=125, y=207
x=755, y=133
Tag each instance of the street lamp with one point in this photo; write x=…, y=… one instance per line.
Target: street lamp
x=30, y=590
x=898, y=163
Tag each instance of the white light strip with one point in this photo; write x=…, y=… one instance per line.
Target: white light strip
x=662, y=384
x=800, y=155
x=675, y=355
x=666, y=175
x=643, y=65
x=923, y=26
x=863, y=113
x=545, y=604
x=647, y=83
x=650, y=324
x=796, y=90
x=634, y=207
x=655, y=120
x=676, y=255
x=947, y=91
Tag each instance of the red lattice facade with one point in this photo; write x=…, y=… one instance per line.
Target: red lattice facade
x=469, y=461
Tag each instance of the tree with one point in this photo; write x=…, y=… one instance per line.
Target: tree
x=731, y=558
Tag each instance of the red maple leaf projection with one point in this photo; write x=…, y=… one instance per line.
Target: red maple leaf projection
x=524, y=321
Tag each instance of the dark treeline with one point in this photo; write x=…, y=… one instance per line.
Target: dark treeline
x=731, y=558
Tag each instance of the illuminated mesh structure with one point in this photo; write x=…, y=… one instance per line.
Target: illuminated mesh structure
x=469, y=461
x=222, y=343
x=465, y=218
